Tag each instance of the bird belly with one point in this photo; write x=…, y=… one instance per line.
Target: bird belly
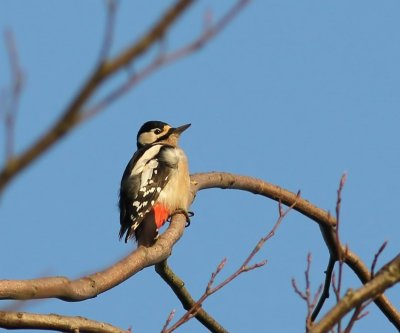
x=176, y=192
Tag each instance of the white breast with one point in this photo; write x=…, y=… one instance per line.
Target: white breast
x=175, y=195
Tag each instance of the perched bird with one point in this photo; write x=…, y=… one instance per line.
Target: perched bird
x=155, y=184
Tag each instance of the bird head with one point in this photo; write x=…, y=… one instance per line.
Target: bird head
x=158, y=131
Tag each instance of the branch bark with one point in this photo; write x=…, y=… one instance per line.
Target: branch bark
x=325, y=221
x=387, y=277
x=92, y=285
x=178, y=287
x=97, y=283
x=25, y=320
x=73, y=114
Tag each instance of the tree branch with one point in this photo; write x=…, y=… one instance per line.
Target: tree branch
x=306, y=295
x=74, y=113
x=178, y=287
x=94, y=284
x=387, y=277
x=163, y=59
x=325, y=291
x=11, y=102
x=325, y=221
x=332, y=255
x=54, y=322
x=72, y=116
x=244, y=267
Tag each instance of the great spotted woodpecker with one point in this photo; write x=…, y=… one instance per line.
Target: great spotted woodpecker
x=155, y=184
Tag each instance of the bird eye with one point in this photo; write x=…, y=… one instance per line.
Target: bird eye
x=157, y=131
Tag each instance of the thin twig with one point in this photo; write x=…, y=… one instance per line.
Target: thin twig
x=334, y=254
x=105, y=49
x=163, y=59
x=376, y=256
x=306, y=295
x=325, y=291
x=72, y=116
x=169, y=319
x=356, y=316
x=384, y=279
x=325, y=221
x=13, y=98
x=339, y=288
x=338, y=207
x=242, y=269
x=178, y=287
x=98, y=282
x=341, y=257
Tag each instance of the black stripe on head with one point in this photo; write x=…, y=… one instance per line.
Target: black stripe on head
x=166, y=135
x=148, y=126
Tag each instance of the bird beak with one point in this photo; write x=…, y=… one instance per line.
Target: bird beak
x=180, y=129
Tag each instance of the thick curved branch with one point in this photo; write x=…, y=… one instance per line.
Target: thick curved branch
x=73, y=114
x=363, y=273
x=387, y=277
x=226, y=180
x=243, y=268
x=25, y=320
x=325, y=221
x=178, y=286
x=92, y=285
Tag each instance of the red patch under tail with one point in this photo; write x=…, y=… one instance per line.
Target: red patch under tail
x=161, y=214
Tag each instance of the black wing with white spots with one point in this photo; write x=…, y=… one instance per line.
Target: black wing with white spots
x=145, y=176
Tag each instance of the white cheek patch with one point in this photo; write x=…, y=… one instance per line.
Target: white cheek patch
x=147, y=138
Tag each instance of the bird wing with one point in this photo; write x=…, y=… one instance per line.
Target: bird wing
x=145, y=176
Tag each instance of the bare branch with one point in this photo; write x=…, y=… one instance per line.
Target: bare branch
x=13, y=96
x=72, y=116
x=337, y=286
x=163, y=59
x=92, y=285
x=325, y=291
x=325, y=221
x=75, y=113
x=178, y=287
x=109, y=30
x=338, y=206
x=306, y=295
x=376, y=256
x=297, y=290
x=169, y=319
x=54, y=322
x=357, y=315
x=384, y=279
x=242, y=269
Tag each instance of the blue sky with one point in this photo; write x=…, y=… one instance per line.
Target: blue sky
x=293, y=92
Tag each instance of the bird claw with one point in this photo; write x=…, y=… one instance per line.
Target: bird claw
x=187, y=214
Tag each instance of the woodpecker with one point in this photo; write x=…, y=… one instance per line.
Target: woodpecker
x=155, y=184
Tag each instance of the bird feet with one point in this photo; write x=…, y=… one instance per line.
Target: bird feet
x=187, y=214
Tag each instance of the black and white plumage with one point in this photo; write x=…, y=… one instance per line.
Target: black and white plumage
x=155, y=183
